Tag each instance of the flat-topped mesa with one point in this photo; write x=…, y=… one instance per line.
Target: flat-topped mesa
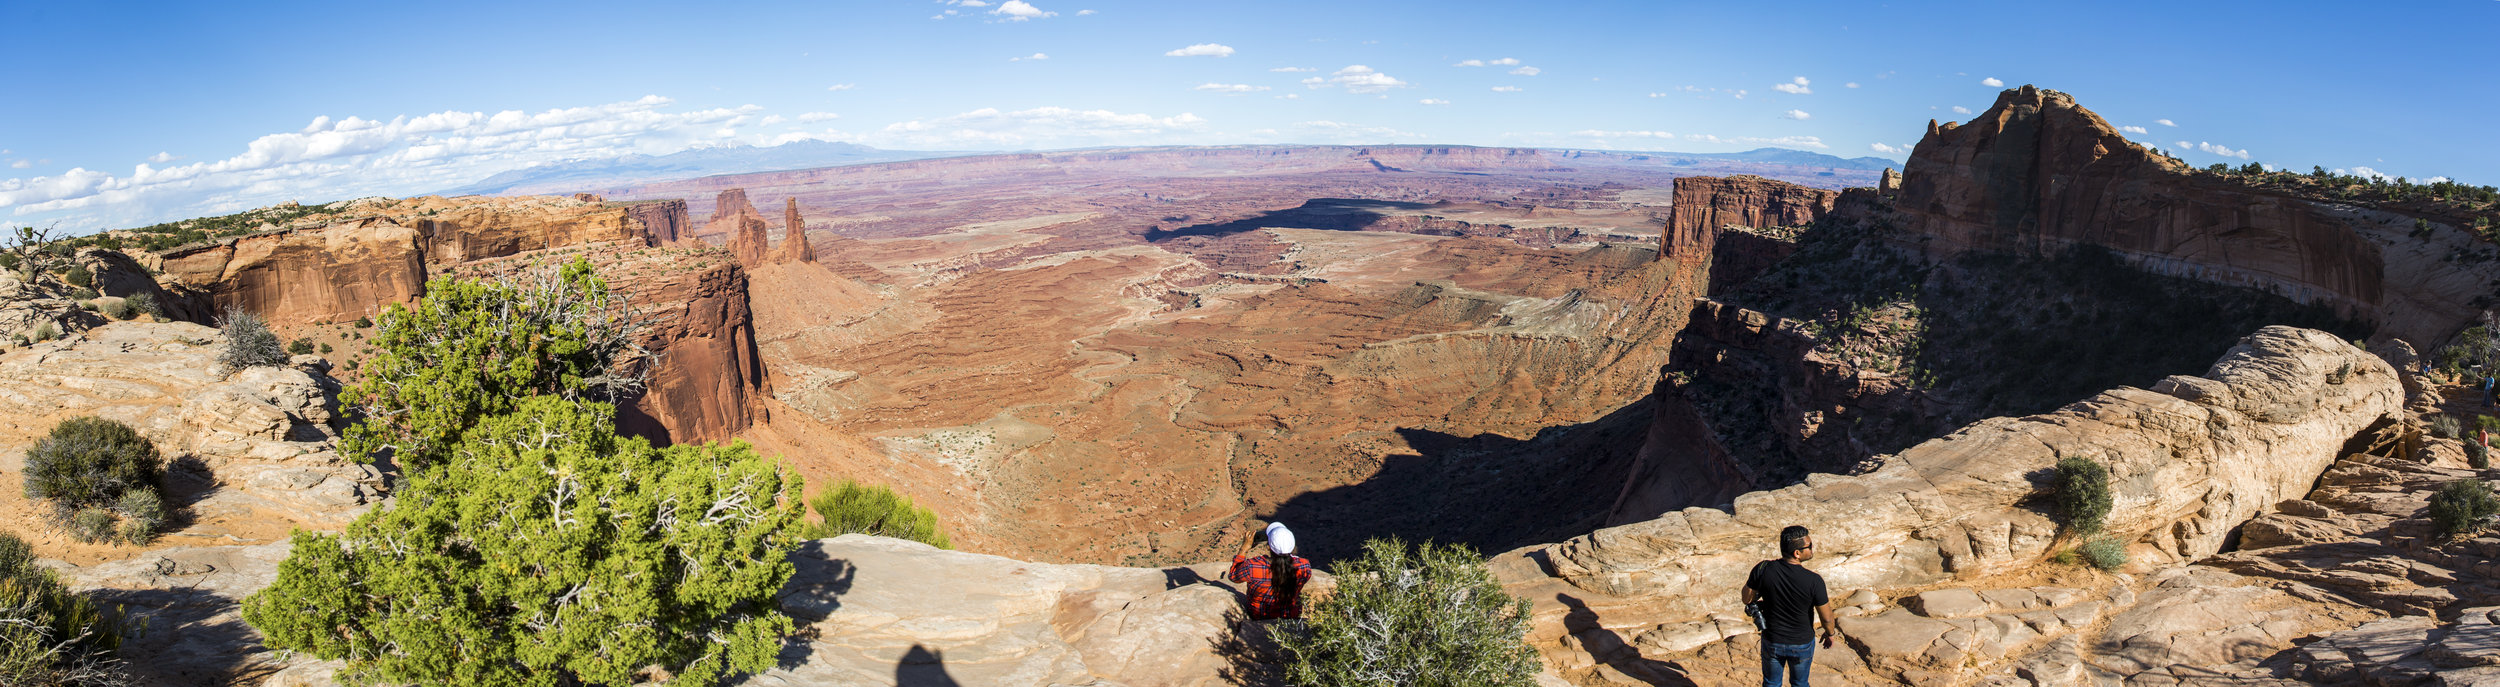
x=2037, y=173
x=1705, y=207
x=794, y=246
x=2189, y=461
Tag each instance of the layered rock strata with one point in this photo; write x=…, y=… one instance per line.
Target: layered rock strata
x=1703, y=224
x=2036, y=173
x=663, y=221
x=2189, y=460
x=708, y=380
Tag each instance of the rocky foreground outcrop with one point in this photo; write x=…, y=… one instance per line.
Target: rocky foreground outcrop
x=2190, y=460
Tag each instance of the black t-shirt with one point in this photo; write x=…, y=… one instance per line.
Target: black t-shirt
x=1788, y=594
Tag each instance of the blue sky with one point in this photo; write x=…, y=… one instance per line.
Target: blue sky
x=122, y=114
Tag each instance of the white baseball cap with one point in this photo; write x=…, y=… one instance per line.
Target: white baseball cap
x=1279, y=539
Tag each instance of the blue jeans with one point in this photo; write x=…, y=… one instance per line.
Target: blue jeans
x=1796, y=658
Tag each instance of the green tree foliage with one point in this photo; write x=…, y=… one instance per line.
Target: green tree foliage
x=300, y=346
x=870, y=509
x=48, y=634
x=2083, y=493
x=552, y=552
x=473, y=349
x=249, y=343
x=2463, y=506
x=144, y=304
x=1432, y=616
x=78, y=276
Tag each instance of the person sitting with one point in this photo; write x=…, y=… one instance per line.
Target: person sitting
x=1272, y=596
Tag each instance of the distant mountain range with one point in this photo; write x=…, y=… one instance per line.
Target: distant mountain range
x=578, y=175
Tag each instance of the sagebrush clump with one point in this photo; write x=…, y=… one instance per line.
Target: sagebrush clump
x=851, y=507
x=2446, y=427
x=2104, y=553
x=101, y=479
x=2463, y=506
x=1431, y=616
x=249, y=343
x=2083, y=496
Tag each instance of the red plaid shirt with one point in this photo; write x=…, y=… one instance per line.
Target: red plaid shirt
x=1253, y=573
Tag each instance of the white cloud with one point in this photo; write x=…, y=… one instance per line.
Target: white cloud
x=1740, y=93
x=1527, y=71
x=1034, y=56
x=351, y=157
x=1957, y=109
x=1081, y=13
x=1469, y=63
x=1991, y=82
x=1851, y=84
x=1434, y=101
x=1325, y=131
x=1019, y=10
x=161, y=157
x=1290, y=96
x=1505, y=89
x=21, y=164
x=2165, y=122
x=842, y=87
x=1657, y=95
x=1889, y=150
x=1796, y=86
x=1794, y=141
x=969, y=3
x=1357, y=79
x=2224, y=151
x=2366, y=172
x=1293, y=69
x=1594, y=133
x=770, y=120
x=1796, y=114
x=2133, y=129
x=1229, y=87
x=1202, y=50
x=818, y=116
x=1504, y=62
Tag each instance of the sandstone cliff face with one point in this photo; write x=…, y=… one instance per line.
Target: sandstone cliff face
x=2189, y=460
x=794, y=246
x=2037, y=173
x=331, y=274
x=708, y=382
x=664, y=221
x=737, y=219
x=1697, y=235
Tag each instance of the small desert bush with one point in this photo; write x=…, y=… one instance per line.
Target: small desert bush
x=870, y=509
x=1432, y=615
x=2104, y=553
x=45, y=332
x=83, y=294
x=90, y=462
x=78, y=276
x=118, y=309
x=2462, y=506
x=92, y=525
x=2447, y=427
x=300, y=346
x=2477, y=454
x=2083, y=493
x=144, y=304
x=48, y=634
x=249, y=342
x=143, y=515
x=364, y=323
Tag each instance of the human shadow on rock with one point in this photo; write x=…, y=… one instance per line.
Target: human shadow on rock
x=1487, y=491
x=187, y=637
x=1252, y=657
x=1611, y=649
x=923, y=667
x=1331, y=214
x=814, y=592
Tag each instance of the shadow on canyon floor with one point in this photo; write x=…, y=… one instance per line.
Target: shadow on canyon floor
x=1487, y=491
x=1333, y=214
x=923, y=667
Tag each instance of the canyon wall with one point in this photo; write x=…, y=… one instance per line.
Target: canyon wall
x=2189, y=461
x=1698, y=230
x=2036, y=173
x=300, y=276
x=663, y=221
x=708, y=382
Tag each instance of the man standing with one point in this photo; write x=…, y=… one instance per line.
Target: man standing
x=1789, y=597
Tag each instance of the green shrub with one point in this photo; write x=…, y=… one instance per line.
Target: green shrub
x=144, y=304
x=2083, y=493
x=2104, y=553
x=1432, y=616
x=90, y=462
x=83, y=294
x=143, y=515
x=869, y=509
x=92, y=525
x=2477, y=455
x=249, y=342
x=551, y=551
x=2446, y=427
x=2462, y=506
x=78, y=276
x=48, y=634
x=45, y=331
x=299, y=346
x=364, y=323
x=118, y=309
x=88, y=306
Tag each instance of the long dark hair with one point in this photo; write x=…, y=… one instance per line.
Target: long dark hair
x=1287, y=578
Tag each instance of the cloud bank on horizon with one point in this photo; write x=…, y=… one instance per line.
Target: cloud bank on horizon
x=200, y=133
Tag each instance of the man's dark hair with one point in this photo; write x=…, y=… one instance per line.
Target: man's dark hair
x=1792, y=539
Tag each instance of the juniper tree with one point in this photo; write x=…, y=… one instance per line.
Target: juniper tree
x=1432, y=617
x=472, y=349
